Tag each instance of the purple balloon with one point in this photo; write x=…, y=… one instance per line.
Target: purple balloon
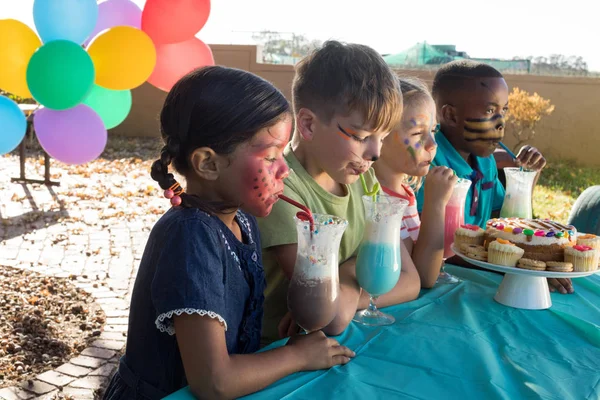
x=73, y=136
x=116, y=13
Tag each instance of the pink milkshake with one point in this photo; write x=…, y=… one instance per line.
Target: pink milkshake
x=455, y=217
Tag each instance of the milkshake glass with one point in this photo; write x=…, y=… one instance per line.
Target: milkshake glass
x=314, y=288
x=517, y=200
x=378, y=263
x=455, y=217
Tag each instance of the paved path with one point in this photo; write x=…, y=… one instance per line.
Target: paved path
x=95, y=226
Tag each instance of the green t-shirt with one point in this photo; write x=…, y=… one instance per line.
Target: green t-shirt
x=279, y=229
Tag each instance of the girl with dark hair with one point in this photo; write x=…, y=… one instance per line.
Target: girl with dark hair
x=196, y=307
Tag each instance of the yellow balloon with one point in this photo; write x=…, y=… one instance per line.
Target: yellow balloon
x=124, y=57
x=17, y=44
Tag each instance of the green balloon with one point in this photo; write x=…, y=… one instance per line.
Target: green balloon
x=60, y=74
x=112, y=106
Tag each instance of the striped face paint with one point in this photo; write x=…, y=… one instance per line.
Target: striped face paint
x=484, y=129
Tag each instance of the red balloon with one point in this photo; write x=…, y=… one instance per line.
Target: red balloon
x=175, y=60
x=173, y=21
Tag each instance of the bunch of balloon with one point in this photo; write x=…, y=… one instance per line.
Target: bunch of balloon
x=173, y=25
x=80, y=69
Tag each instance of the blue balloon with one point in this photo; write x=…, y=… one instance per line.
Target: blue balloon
x=72, y=20
x=13, y=126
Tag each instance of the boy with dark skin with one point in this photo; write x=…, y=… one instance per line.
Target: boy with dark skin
x=472, y=101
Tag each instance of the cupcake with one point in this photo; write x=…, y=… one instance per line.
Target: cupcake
x=503, y=252
x=589, y=240
x=583, y=258
x=468, y=234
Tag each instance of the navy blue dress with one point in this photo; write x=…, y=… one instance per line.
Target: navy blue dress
x=192, y=264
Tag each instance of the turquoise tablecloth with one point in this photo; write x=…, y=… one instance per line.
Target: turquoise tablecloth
x=455, y=341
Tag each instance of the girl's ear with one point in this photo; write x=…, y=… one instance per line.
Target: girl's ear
x=206, y=163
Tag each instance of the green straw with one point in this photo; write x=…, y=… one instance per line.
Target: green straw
x=373, y=192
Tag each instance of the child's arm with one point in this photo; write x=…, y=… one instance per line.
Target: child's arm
x=213, y=373
x=429, y=250
x=406, y=289
x=350, y=294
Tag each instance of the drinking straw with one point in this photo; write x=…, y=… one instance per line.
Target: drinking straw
x=510, y=153
x=373, y=192
x=304, y=215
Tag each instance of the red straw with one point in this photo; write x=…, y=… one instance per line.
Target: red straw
x=304, y=215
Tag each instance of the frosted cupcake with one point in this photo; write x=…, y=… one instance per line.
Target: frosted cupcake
x=503, y=252
x=589, y=240
x=468, y=234
x=583, y=258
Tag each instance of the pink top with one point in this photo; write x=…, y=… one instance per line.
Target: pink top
x=411, y=223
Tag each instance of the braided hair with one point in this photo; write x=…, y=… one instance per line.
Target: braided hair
x=215, y=107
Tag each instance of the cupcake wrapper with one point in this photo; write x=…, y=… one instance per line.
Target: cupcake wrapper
x=583, y=262
x=508, y=259
x=463, y=239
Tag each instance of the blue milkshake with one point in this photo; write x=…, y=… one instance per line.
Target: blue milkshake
x=378, y=261
x=378, y=267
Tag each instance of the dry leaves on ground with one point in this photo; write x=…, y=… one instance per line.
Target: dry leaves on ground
x=44, y=322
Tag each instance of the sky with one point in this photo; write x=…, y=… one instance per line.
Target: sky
x=501, y=29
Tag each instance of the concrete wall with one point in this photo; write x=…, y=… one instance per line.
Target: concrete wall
x=572, y=131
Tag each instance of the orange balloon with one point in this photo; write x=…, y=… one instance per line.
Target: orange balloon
x=175, y=60
x=124, y=57
x=17, y=44
x=174, y=21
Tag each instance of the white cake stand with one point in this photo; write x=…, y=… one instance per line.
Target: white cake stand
x=523, y=288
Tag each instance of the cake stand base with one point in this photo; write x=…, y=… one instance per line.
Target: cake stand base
x=522, y=291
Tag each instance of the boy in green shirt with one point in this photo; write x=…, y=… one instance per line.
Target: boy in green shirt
x=346, y=101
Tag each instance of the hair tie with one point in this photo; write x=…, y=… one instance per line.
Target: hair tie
x=174, y=194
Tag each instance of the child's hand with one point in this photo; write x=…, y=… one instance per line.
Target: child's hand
x=562, y=285
x=530, y=158
x=319, y=352
x=439, y=185
x=287, y=326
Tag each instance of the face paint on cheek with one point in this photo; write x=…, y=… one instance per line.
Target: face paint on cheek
x=342, y=132
x=412, y=153
x=484, y=129
x=410, y=150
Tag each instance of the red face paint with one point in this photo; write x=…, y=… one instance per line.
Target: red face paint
x=262, y=170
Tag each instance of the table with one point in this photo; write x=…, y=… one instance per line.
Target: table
x=455, y=341
x=28, y=109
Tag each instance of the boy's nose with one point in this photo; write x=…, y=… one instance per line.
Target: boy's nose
x=373, y=152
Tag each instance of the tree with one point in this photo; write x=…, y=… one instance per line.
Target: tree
x=276, y=44
x=526, y=111
x=558, y=64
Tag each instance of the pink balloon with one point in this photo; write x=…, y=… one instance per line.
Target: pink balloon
x=116, y=13
x=73, y=136
x=175, y=60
